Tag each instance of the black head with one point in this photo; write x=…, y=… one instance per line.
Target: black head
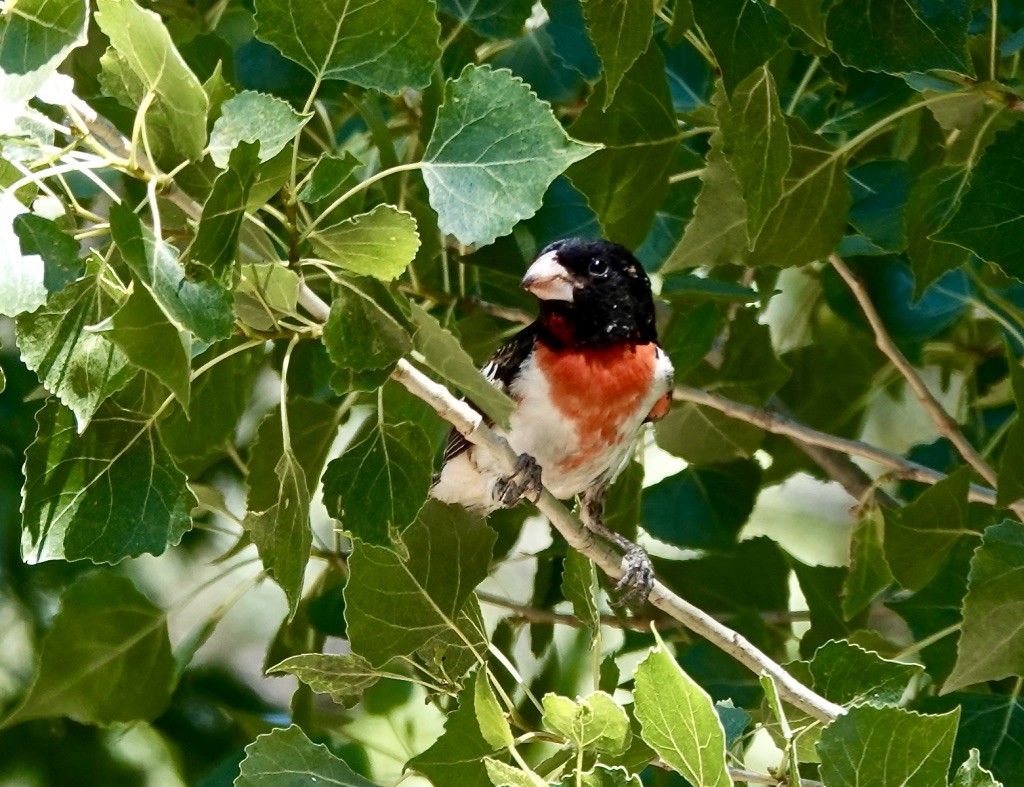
x=592, y=292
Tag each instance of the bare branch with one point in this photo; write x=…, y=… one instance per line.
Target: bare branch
x=776, y=423
x=943, y=421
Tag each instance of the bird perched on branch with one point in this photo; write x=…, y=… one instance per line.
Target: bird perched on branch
x=585, y=376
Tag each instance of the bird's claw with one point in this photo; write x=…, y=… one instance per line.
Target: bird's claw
x=637, y=578
x=526, y=478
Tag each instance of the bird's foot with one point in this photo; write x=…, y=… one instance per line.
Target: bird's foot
x=510, y=489
x=637, y=578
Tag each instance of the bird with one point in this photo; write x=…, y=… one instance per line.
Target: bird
x=584, y=376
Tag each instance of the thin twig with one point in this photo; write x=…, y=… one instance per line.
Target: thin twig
x=943, y=421
x=776, y=423
x=537, y=615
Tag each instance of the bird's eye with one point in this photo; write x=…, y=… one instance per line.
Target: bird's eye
x=598, y=267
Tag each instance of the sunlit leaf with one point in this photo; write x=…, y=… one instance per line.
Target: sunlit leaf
x=484, y=173
x=382, y=44
x=877, y=746
x=140, y=38
x=287, y=758
x=110, y=493
x=380, y=243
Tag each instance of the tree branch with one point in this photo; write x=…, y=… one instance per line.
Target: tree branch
x=776, y=423
x=537, y=615
x=470, y=425
x=943, y=421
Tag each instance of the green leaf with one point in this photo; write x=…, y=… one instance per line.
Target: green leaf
x=749, y=362
x=897, y=36
x=216, y=243
x=106, y=657
x=876, y=747
x=971, y=774
x=880, y=190
x=218, y=399
x=869, y=572
x=33, y=32
x=110, y=493
x=717, y=233
x=808, y=15
x=59, y=251
x=990, y=216
x=596, y=722
x=743, y=34
x=140, y=38
x=254, y=117
x=23, y=275
x=376, y=487
x=625, y=181
x=580, y=588
x=1010, y=487
x=702, y=507
x=992, y=639
x=502, y=774
x=992, y=723
x=918, y=536
x=442, y=352
x=490, y=18
x=756, y=144
x=195, y=303
x=380, y=243
x=690, y=335
x=703, y=436
x=366, y=329
x=485, y=173
x=281, y=532
x=35, y=37
x=933, y=198
x=287, y=758
x=75, y=362
x=774, y=702
x=329, y=173
x=849, y=675
x=457, y=756
x=266, y=292
x=394, y=606
x=381, y=44
x=621, y=31
x=493, y=724
x=142, y=332
x=810, y=218
x=345, y=678
x=678, y=720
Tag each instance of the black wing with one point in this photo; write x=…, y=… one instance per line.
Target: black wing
x=501, y=370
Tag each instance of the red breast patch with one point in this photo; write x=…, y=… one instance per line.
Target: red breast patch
x=598, y=390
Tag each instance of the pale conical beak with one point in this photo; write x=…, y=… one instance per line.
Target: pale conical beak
x=548, y=279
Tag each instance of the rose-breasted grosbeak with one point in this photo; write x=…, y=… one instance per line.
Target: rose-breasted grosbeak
x=584, y=376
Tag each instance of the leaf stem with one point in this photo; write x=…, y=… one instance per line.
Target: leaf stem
x=804, y=82
x=931, y=639
x=681, y=176
x=883, y=124
x=993, y=62
x=355, y=190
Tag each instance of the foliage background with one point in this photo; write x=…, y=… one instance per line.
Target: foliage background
x=827, y=195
